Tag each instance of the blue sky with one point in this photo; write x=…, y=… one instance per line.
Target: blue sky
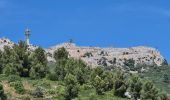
x=104, y=23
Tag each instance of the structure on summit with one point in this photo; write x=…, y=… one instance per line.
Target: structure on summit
x=27, y=35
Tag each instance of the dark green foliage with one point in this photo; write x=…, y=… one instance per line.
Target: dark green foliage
x=135, y=87
x=72, y=87
x=38, y=71
x=2, y=95
x=163, y=96
x=102, y=80
x=130, y=63
x=165, y=78
x=10, y=69
x=93, y=97
x=52, y=76
x=120, y=85
x=61, y=57
x=39, y=64
x=65, y=65
x=38, y=92
x=23, y=55
x=18, y=86
x=164, y=62
x=108, y=80
x=13, y=78
x=39, y=56
x=60, y=71
x=149, y=91
x=16, y=60
x=98, y=84
x=97, y=71
x=79, y=69
x=1, y=61
x=61, y=54
x=88, y=54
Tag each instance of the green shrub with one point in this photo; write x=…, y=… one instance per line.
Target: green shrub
x=13, y=78
x=25, y=98
x=93, y=96
x=163, y=96
x=10, y=69
x=120, y=85
x=18, y=86
x=38, y=92
x=149, y=91
x=135, y=87
x=2, y=95
x=43, y=84
x=72, y=87
x=51, y=91
x=98, y=84
x=52, y=76
x=86, y=86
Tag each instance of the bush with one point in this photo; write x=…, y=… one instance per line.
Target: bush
x=120, y=85
x=163, y=96
x=51, y=91
x=98, y=84
x=2, y=95
x=149, y=91
x=18, y=86
x=43, y=84
x=10, y=69
x=38, y=71
x=52, y=77
x=13, y=78
x=165, y=78
x=25, y=98
x=93, y=96
x=61, y=54
x=72, y=87
x=135, y=87
x=38, y=92
x=86, y=86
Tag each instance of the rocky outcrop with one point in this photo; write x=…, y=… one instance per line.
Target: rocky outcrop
x=9, y=43
x=5, y=42
x=96, y=56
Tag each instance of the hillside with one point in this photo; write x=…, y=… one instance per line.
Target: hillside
x=96, y=56
x=64, y=72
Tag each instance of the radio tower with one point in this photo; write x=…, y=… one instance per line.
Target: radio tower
x=27, y=35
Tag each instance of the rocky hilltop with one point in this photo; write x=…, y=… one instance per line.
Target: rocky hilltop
x=96, y=56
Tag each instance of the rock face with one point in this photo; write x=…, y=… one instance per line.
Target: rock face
x=5, y=42
x=96, y=56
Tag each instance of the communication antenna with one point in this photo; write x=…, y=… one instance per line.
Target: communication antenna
x=27, y=36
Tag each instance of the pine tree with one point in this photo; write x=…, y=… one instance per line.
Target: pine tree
x=120, y=85
x=135, y=87
x=38, y=64
x=149, y=91
x=99, y=84
x=72, y=87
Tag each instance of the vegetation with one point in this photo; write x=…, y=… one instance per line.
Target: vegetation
x=29, y=76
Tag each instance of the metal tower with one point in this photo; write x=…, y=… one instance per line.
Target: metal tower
x=27, y=35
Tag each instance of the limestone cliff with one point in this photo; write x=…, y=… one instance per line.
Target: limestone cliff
x=96, y=56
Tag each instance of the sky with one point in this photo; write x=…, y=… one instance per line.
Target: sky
x=102, y=23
